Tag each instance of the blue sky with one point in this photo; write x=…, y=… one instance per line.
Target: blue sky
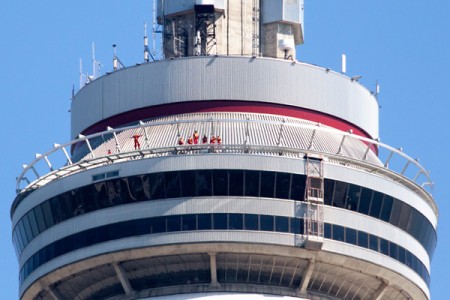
x=404, y=45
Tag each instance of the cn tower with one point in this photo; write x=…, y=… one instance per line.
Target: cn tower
x=225, y=170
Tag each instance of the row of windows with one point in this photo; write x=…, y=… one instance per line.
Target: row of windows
x=218, y=183
x=216, y=222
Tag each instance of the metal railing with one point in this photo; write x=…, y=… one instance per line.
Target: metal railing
x=396, y=164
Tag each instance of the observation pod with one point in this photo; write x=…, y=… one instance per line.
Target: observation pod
x=227, y=170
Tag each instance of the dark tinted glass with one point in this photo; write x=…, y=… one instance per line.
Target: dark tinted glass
x=340, y=193
x=39, y=218
x=235, y=221
x=189, y=222
x=203, y=181
x=363, y=239
x=393, y=250
x=266, y=223
x=251, y=183
x=174, y=223
x=236, y=182
x=375, y=207
x=204, y=221
x=296, y=226
x=281, y=224
x=157, y=186
x=373, y=242
x=267, y=184
x=283, y=185
x=327, y=231
x=384, y=246
x=365, y=200
x=338, y=233
x=350, y=236
x=387, y=208
x=220, y=182
x=220, y=221
x=328, y=191
x=188, y=184
x=298, y=187
x=354, y=193
x=250, y=222
x=33, y=224
x=173, y=186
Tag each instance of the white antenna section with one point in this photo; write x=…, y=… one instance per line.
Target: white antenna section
x=145, y=44
x=96, y=65
x=81, y=73
x=117, y=64
x=344, y=64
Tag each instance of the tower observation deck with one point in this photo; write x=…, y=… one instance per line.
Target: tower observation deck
x=226, y=170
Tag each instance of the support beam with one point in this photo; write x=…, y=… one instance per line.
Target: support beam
x=380, y=291
x=55, y=294
x=306, y=276
x=213, y=269
x=123, y=278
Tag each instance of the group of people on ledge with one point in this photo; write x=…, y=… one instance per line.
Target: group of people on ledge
x=194, y=139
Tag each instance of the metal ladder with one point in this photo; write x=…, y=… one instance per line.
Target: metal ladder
x=314, y=198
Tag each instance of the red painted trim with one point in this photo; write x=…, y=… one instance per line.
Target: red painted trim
x=145, y=113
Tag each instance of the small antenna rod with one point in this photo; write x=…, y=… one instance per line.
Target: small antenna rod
x=145, y=43
x=81, y=73
x=94, y=74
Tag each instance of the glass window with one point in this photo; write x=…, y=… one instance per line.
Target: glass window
x=19, y=238
x=338, y=233
x=387, y=208
x=298, y=187
x=203, y=181
x=384, y=246
x=158, y=225
x=33, y=223
x=47, y=213
x=375, y=207
x=350, y=236
x=39, y=218
x=354, y=193
x=408, y=258
x=340, y=193
x=187, y=183
x=266, y=223
x=296, y=226
x=236, y=178
x=220, y=221
x=204, y=221
x=366, y=199
x=235, y=221
x=283, y=185
x=157, y=186
x=396, y=212
x=373, y=243
x=404, y=216
x=328, y=191
x=250, y=222
x=22, y=233
x=220, y=182
x=281, y=224
x=27, y=227
x=173, y=185
x=327, y=231
x=251, y=183
x=393, y=250
x=401, y=254
x=363, y=239
x=173, y=223
x=189, y=222
x=267, y=184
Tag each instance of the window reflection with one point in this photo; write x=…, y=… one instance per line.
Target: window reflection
x=221, y=182
x=221, y=221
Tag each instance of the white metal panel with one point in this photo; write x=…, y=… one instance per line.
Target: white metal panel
x=226, y=78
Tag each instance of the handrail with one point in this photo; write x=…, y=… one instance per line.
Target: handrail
x=70, y=167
